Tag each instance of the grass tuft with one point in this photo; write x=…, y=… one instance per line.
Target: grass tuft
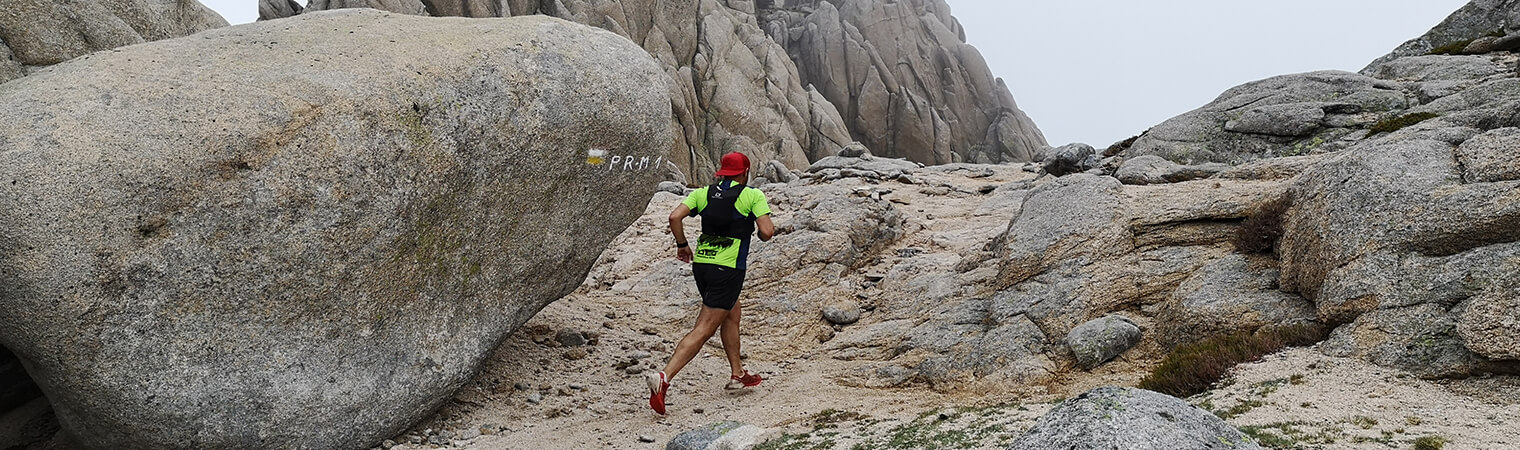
x=1263, y=226
x=1191, y=368
x=1398, y=123
x=1429, y=443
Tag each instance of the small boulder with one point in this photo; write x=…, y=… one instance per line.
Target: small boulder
x=1102, y=339
x=854, y=150
x=570, y=338
x=777, y=172
x=722, y=435
x=1131, y=419
x=1071, y=158
x=842, y=313
x=672, y=187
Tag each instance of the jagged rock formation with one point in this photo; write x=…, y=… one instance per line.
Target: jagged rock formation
x=795, y=81
x=39, y=33
x=190, y=262
x=904, y=79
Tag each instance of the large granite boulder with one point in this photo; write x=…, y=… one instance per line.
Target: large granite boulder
x=1280, y=116
x=1131, y=419
x=307, y=233
x=38, y=33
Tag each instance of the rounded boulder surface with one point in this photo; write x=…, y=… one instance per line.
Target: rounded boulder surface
x=1131, y=419
x=843, y=313
x=722, y=435
x=307, y=233
x=1102, y=339
x=1490, y=325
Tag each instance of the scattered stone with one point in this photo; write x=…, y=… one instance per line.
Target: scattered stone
x=646, y=438
x=826, y=334
x=535, y=398
x=570, y=338
x=842, y=313
x=575, y=354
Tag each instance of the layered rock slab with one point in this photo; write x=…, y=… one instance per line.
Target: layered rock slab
x=306, y=234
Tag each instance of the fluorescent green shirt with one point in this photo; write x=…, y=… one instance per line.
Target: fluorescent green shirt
x=751, y=203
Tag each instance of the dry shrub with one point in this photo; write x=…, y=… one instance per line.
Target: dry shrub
x=1123, y=145
x=1192, y=368
x=1263, y=226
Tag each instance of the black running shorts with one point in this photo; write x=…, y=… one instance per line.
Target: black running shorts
x=719, y=285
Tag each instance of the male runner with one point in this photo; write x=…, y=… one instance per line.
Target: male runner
x=730, y=213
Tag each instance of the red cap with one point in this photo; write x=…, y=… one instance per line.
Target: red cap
x=733, y=164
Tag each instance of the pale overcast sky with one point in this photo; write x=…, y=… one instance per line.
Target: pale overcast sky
x=1098, y=71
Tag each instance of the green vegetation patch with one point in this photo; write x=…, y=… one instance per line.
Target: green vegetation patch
x=1191, y=368
x=1430, y=443
x=1398, y=123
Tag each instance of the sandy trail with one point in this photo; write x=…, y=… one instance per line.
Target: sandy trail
x=535, y=393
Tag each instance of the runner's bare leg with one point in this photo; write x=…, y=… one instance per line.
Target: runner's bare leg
x=708, y=322
x=730, y=336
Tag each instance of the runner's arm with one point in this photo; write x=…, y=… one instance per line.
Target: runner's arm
x=767, y=229
x=679, y=231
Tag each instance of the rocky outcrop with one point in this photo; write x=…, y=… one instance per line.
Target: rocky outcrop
x=794, y=81
x=1111, y=418
x=189, y=261
x=1288, y=115
x=39, y=33
x=904, y=79
x=1477, y=20
x=1404, y=211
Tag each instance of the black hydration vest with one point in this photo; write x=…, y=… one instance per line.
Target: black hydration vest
x=721, y=218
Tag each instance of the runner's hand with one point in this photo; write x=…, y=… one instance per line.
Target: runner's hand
x=684, y=254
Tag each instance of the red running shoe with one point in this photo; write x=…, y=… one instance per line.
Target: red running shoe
x=743, y=381
x=658, y=386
